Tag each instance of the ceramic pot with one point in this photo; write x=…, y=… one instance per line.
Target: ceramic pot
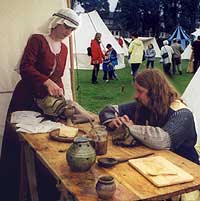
x=81, y=155
x=105, y=187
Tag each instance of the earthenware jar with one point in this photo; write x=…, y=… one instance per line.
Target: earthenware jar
x=81, y=155
x=105, y=187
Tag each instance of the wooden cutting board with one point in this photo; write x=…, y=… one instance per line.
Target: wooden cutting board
x=160, y=171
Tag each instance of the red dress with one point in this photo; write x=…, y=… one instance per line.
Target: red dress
x=35, y=68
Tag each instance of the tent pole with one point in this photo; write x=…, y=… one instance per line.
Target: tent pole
x=71, y=60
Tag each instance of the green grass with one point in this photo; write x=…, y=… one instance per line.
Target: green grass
x=94, y=97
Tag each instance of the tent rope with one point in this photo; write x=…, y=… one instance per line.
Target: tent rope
x=78, y=88
x=94, y=27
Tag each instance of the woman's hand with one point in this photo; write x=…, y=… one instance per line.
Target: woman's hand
x=53, y=88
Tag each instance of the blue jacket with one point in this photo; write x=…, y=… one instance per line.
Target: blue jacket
x=113, y=57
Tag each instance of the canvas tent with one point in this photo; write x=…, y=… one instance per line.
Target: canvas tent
x=146, y=41
x=92, y=23
x=124, y=46
x=20, y=19
x=188, y=50
x=180, y=34
x=192, y=99
x=195, y=34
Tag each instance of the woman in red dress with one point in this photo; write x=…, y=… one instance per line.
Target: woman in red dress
x=96, y=57
x=41, y=69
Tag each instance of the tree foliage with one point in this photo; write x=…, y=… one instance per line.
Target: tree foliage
x=149, y=17
x=153, y=16
x=102, y=6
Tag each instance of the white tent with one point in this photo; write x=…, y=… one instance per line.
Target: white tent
x=20, y=19
x=146, y=41
x=92, y=23
x=125, y=48
x=188, y=50
x=192, y=99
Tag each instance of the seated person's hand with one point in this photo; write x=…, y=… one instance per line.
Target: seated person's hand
x=115, y=123
x=53, y=88
x=125, y=120
x=118, y=121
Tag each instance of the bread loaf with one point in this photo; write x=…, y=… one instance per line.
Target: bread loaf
x=66, y=131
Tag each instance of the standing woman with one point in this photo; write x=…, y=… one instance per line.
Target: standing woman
x=96, y=56
x=150, y=55
x=135, y=51
x=42, y=67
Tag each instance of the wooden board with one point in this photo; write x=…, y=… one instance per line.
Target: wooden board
x=160, y=171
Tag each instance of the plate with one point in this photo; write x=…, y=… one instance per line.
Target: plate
x=54, y=135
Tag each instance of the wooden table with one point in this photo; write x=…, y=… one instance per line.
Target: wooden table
x=131, y=185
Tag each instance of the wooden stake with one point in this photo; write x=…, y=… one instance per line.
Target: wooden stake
x=71, y=60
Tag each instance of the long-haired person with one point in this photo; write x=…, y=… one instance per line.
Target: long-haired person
x=158, y=118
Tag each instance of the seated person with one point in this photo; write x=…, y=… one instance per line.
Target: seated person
x=158, y=118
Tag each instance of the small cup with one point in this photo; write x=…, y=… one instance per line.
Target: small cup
x=100, y=139
x=105, y=187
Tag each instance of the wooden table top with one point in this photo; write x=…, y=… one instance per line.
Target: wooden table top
x=131, y=185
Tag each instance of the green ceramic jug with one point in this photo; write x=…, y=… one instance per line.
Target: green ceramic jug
x=81, y=155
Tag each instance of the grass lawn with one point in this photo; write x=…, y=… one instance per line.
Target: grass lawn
x=93, y=97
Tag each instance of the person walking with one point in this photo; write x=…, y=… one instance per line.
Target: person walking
x=196, y=53
x=166, y=57
x=176, y=58
x=96, y=56
x=135, y=50
x=150, y=56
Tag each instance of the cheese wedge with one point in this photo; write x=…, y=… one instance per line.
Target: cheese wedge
x=66, y=131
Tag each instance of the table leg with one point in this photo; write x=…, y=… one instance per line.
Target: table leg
x=175, y=198
x=31, y=173
x=23, y=175
x=64, y=194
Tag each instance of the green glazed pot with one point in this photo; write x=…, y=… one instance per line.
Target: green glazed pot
x=81, y=155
